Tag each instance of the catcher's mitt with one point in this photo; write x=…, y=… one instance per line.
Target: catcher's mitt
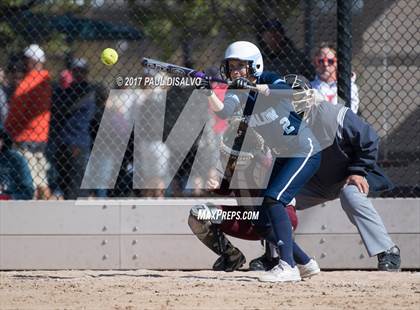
x=250, y=158
x=239, y=149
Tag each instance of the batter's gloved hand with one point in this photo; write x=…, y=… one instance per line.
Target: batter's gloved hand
x=242, y=83
x=205, y=85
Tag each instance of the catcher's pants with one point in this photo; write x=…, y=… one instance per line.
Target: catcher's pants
x=358, y=207
x=244, y=229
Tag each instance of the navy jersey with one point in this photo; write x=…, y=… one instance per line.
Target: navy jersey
x=354, y=151
x=271, y=116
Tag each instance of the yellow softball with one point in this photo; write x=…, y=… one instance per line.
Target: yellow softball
x=109, y=56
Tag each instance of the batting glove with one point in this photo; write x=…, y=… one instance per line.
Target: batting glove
x=205, y=85
x=242, y=83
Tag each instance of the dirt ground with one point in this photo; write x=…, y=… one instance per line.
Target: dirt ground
x=148, y=289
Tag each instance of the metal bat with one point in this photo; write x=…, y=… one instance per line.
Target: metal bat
x=180, y=71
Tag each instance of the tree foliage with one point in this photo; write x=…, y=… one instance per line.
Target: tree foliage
x=172, y=23
x=23, y=22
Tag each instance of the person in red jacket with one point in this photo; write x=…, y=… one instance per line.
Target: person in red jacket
x=29, y=116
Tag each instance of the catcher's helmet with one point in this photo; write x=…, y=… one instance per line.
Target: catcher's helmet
x=304, y=95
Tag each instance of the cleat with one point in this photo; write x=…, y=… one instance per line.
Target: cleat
x=310, y=269
x=283, y=272
x=389, y=260
x=230, y=261
x=263, y=263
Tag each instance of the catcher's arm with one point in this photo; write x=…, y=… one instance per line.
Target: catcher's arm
x=217, y=183
x=213, y=183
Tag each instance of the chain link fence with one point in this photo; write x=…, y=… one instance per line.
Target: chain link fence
x=55, y=90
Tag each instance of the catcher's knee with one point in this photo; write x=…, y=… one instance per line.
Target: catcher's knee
x=198, y=227
x=198, y=219
x=291, y=212
x=262, y=231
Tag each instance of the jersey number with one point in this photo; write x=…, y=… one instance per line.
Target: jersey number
x=285, y=123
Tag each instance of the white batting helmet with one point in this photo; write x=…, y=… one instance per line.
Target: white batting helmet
x=244, y=50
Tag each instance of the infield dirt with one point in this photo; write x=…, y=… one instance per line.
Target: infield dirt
x=149, y=289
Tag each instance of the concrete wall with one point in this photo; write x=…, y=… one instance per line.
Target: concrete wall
x=154, y=234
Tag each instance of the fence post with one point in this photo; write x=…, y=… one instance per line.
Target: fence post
x=344, y=49
x=309, y=28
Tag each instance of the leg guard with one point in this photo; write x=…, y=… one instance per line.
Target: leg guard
x=208, y=233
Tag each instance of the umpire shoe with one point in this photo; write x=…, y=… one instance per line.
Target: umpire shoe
x=310, y=269
x=390, y=260
x=230, y=261
x=263, y=263
x=283, y=272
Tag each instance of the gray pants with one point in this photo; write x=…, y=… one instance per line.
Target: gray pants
x=359, y=210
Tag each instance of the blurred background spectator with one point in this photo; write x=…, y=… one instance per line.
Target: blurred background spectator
x=73, y=110
x=156, y=188
x=154, y=155
x=15, y=71
x=280, y=53
x=325, y=82
x=15, y=176
x=3, y=97
x=118, y=107
x=209, y=142
x=29, y=116
x=66, y=75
